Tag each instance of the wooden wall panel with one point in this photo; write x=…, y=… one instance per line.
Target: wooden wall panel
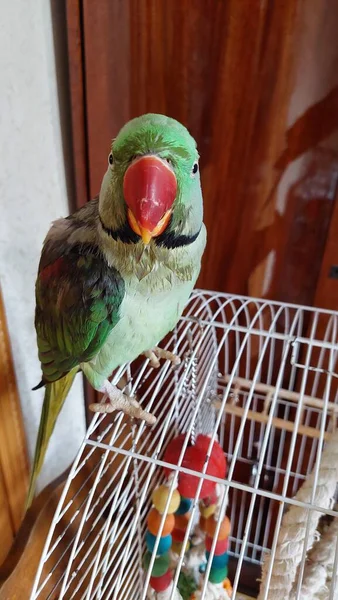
x=13, y=451
x=6, y=528
x=258, y=89
x=77, y=99
x=327, y=287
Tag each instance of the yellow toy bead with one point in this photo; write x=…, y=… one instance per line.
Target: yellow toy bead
x=177, y=547
x=207, y=511
x=160, y=496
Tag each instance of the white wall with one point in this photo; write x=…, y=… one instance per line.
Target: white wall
x=33, y=193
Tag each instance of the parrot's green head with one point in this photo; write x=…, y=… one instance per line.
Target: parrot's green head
x=151, y=191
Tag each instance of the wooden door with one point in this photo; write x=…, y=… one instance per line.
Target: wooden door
x=13, y=451
x=257, y=85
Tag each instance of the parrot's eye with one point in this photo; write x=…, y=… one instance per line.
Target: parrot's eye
x=110, y=159
x=194, y=168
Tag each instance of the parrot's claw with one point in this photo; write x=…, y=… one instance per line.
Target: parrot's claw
x=117, y=400
x=157, y=353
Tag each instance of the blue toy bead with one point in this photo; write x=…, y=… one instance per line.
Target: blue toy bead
x=184, y=507
x=219, y=561
x=163, y=546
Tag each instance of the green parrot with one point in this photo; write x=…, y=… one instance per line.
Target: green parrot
x=114, y=276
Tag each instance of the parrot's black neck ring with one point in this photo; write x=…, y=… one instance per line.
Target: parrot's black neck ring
x=168, y=239
x=125, y=234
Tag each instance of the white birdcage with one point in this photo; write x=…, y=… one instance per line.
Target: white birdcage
x=258, y=376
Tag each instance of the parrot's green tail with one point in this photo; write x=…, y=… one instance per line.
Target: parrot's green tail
x=55, y=395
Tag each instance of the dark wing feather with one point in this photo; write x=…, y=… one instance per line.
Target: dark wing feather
x=78, y=297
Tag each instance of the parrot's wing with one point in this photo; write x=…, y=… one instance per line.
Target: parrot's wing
x=78, y=297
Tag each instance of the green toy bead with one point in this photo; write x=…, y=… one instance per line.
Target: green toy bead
x=160, y=566
x=218, y=575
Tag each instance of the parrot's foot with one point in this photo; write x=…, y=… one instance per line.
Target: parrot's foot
x=120, y=401
x=157, y=353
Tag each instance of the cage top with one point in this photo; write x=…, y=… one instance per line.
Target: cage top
x=260, y=301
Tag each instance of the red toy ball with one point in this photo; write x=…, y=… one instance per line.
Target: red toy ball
x=178, y=535
x=173, y=452
x=212, y=499
x=159, y=584
x=221, y=545
x=194, y=459
x=217, y=454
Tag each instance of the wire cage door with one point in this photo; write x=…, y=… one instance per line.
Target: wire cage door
x=257, y=376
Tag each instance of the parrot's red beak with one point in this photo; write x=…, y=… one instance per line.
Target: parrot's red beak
x=149, y=188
